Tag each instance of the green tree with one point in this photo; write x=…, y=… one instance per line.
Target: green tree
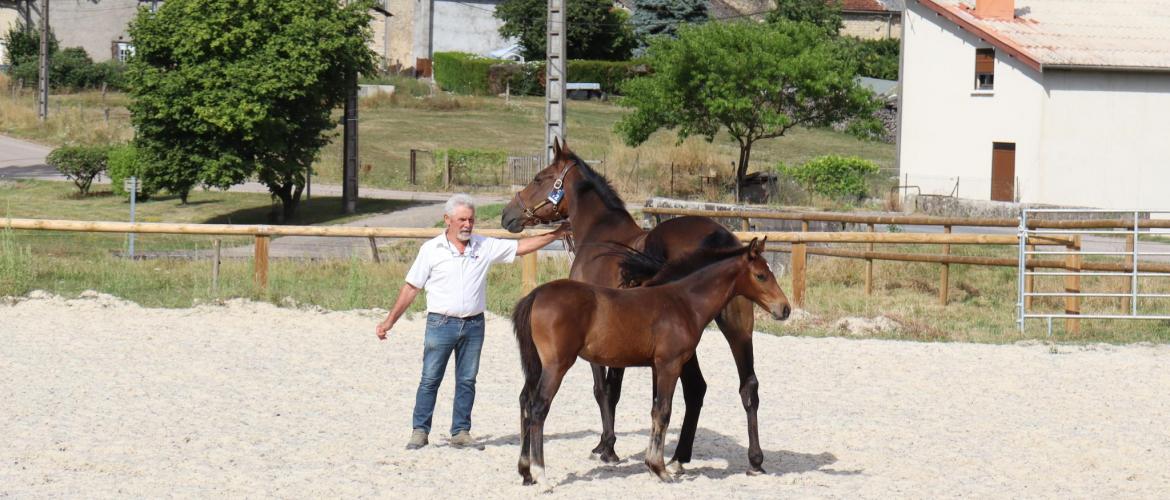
x=225, y=91
x=753, y=81
x=825, y=14
x=662, y=17
x=597, y=30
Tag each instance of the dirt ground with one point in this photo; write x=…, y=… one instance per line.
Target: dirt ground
x=104, y=398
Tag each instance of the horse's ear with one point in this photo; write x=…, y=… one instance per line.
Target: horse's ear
x=556, y=147
x=753, y=248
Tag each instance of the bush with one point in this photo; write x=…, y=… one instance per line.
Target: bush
x=470, y=74
x=463, y=73
x=124, y=162
x=833, y=176
x=874, y=58
x=80, y=164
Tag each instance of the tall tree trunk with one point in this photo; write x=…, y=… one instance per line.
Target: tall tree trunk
x=745, y=156
x=290, y=199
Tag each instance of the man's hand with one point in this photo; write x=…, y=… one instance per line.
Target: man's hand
x=383, y=328
x=565, y=229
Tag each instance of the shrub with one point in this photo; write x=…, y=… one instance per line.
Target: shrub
x=463, y=73
x=833, y=176
x=124, y=162
x=80, y=164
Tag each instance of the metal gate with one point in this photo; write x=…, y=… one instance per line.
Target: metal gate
x=1103, y=240
x=523, y=168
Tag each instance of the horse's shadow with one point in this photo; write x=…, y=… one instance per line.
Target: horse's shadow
x=708, y=444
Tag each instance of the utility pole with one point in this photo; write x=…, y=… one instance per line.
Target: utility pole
x=349, y=167
x=555, y=76
x=43, y=73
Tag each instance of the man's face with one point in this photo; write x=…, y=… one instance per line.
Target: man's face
x=460, y=224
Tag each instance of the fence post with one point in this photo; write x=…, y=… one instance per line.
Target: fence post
x=1072, y=284
x=447, y=177
x=1128, y=287
x=799, y=262
x=945, y=277
x=215, y=268
x=374, y=251
x=528, y=272
x=413, y=166
x=261, y=262
x=746, y=224
x=869, y=268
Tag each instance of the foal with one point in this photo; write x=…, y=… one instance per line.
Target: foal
x=657, y=325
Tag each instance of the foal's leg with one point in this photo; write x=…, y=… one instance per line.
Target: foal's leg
x=694, y=388
x=546, y=389
x=737, y=322
x=665, y=378
x=525, y=463
x=607, y=389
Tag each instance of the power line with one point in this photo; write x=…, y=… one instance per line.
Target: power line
x=670, y=22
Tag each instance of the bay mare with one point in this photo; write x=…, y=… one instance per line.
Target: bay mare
x=657, y=325
x=568, y=189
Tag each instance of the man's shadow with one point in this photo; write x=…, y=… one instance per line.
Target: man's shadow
x=708, y=445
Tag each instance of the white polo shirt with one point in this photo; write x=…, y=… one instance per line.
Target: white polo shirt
x=456, y=284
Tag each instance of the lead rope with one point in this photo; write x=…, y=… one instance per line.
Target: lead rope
x=570, y=248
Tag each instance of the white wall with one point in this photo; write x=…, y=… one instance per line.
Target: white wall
x=948, y=127
x=1109, y=140
x=467, y=27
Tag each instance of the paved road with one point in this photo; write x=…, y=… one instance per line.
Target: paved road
x=26, y=160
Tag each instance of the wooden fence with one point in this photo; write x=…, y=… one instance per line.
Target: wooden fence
x=798, y=241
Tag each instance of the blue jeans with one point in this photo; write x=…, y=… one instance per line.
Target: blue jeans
x=445, y=334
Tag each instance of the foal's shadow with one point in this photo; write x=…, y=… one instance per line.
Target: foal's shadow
x=708, y=444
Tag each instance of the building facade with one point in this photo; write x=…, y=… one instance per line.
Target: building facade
x=1037, y=101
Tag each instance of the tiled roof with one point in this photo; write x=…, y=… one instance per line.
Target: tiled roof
x=862, y=6
x=1099, y=34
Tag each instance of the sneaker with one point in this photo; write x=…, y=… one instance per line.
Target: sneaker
x=418, y=439
x=463, y=439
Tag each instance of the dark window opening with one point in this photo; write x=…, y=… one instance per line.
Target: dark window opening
x=984, y=69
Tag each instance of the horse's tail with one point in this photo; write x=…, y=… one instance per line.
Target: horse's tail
x=522, y=325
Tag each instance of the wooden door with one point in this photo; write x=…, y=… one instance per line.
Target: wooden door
x=1003, y=171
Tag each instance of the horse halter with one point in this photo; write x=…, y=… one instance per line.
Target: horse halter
x=554, y=198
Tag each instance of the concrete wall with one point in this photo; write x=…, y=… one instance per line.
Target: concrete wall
x=400, y=55
x=92, y=26
x=467, y=27
x=947, y=127
x=1108, y=140
x=872, y=26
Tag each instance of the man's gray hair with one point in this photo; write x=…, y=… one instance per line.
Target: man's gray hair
x=458, y=200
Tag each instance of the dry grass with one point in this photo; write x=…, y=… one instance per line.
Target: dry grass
x=73, y=118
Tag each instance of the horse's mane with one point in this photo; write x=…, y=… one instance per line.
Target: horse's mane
x=642, y=269
x=593, y=181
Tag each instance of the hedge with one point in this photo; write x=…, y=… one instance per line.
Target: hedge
x=470, y=74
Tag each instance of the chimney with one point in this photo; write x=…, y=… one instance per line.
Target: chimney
x=995, y=9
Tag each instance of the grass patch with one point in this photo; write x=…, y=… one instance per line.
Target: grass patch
x=57, y=200
x=413, y=119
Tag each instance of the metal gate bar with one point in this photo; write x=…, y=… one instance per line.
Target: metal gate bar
x=1134, y=231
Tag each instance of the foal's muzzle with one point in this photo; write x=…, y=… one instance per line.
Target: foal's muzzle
x=782, y=314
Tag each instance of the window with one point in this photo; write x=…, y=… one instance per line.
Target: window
x=123, y=51
x=152, y=4
x=984, y=69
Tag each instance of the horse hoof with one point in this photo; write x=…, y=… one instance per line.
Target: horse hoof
x=608, y=457
x=675, y=468
x=664, y=477
x=528, y=481
x=757, y=471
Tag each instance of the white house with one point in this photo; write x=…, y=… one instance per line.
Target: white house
x=1062, y=102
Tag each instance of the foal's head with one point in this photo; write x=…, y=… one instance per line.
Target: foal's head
x=756, y=281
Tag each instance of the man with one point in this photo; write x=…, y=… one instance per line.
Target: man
x=453, y=268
